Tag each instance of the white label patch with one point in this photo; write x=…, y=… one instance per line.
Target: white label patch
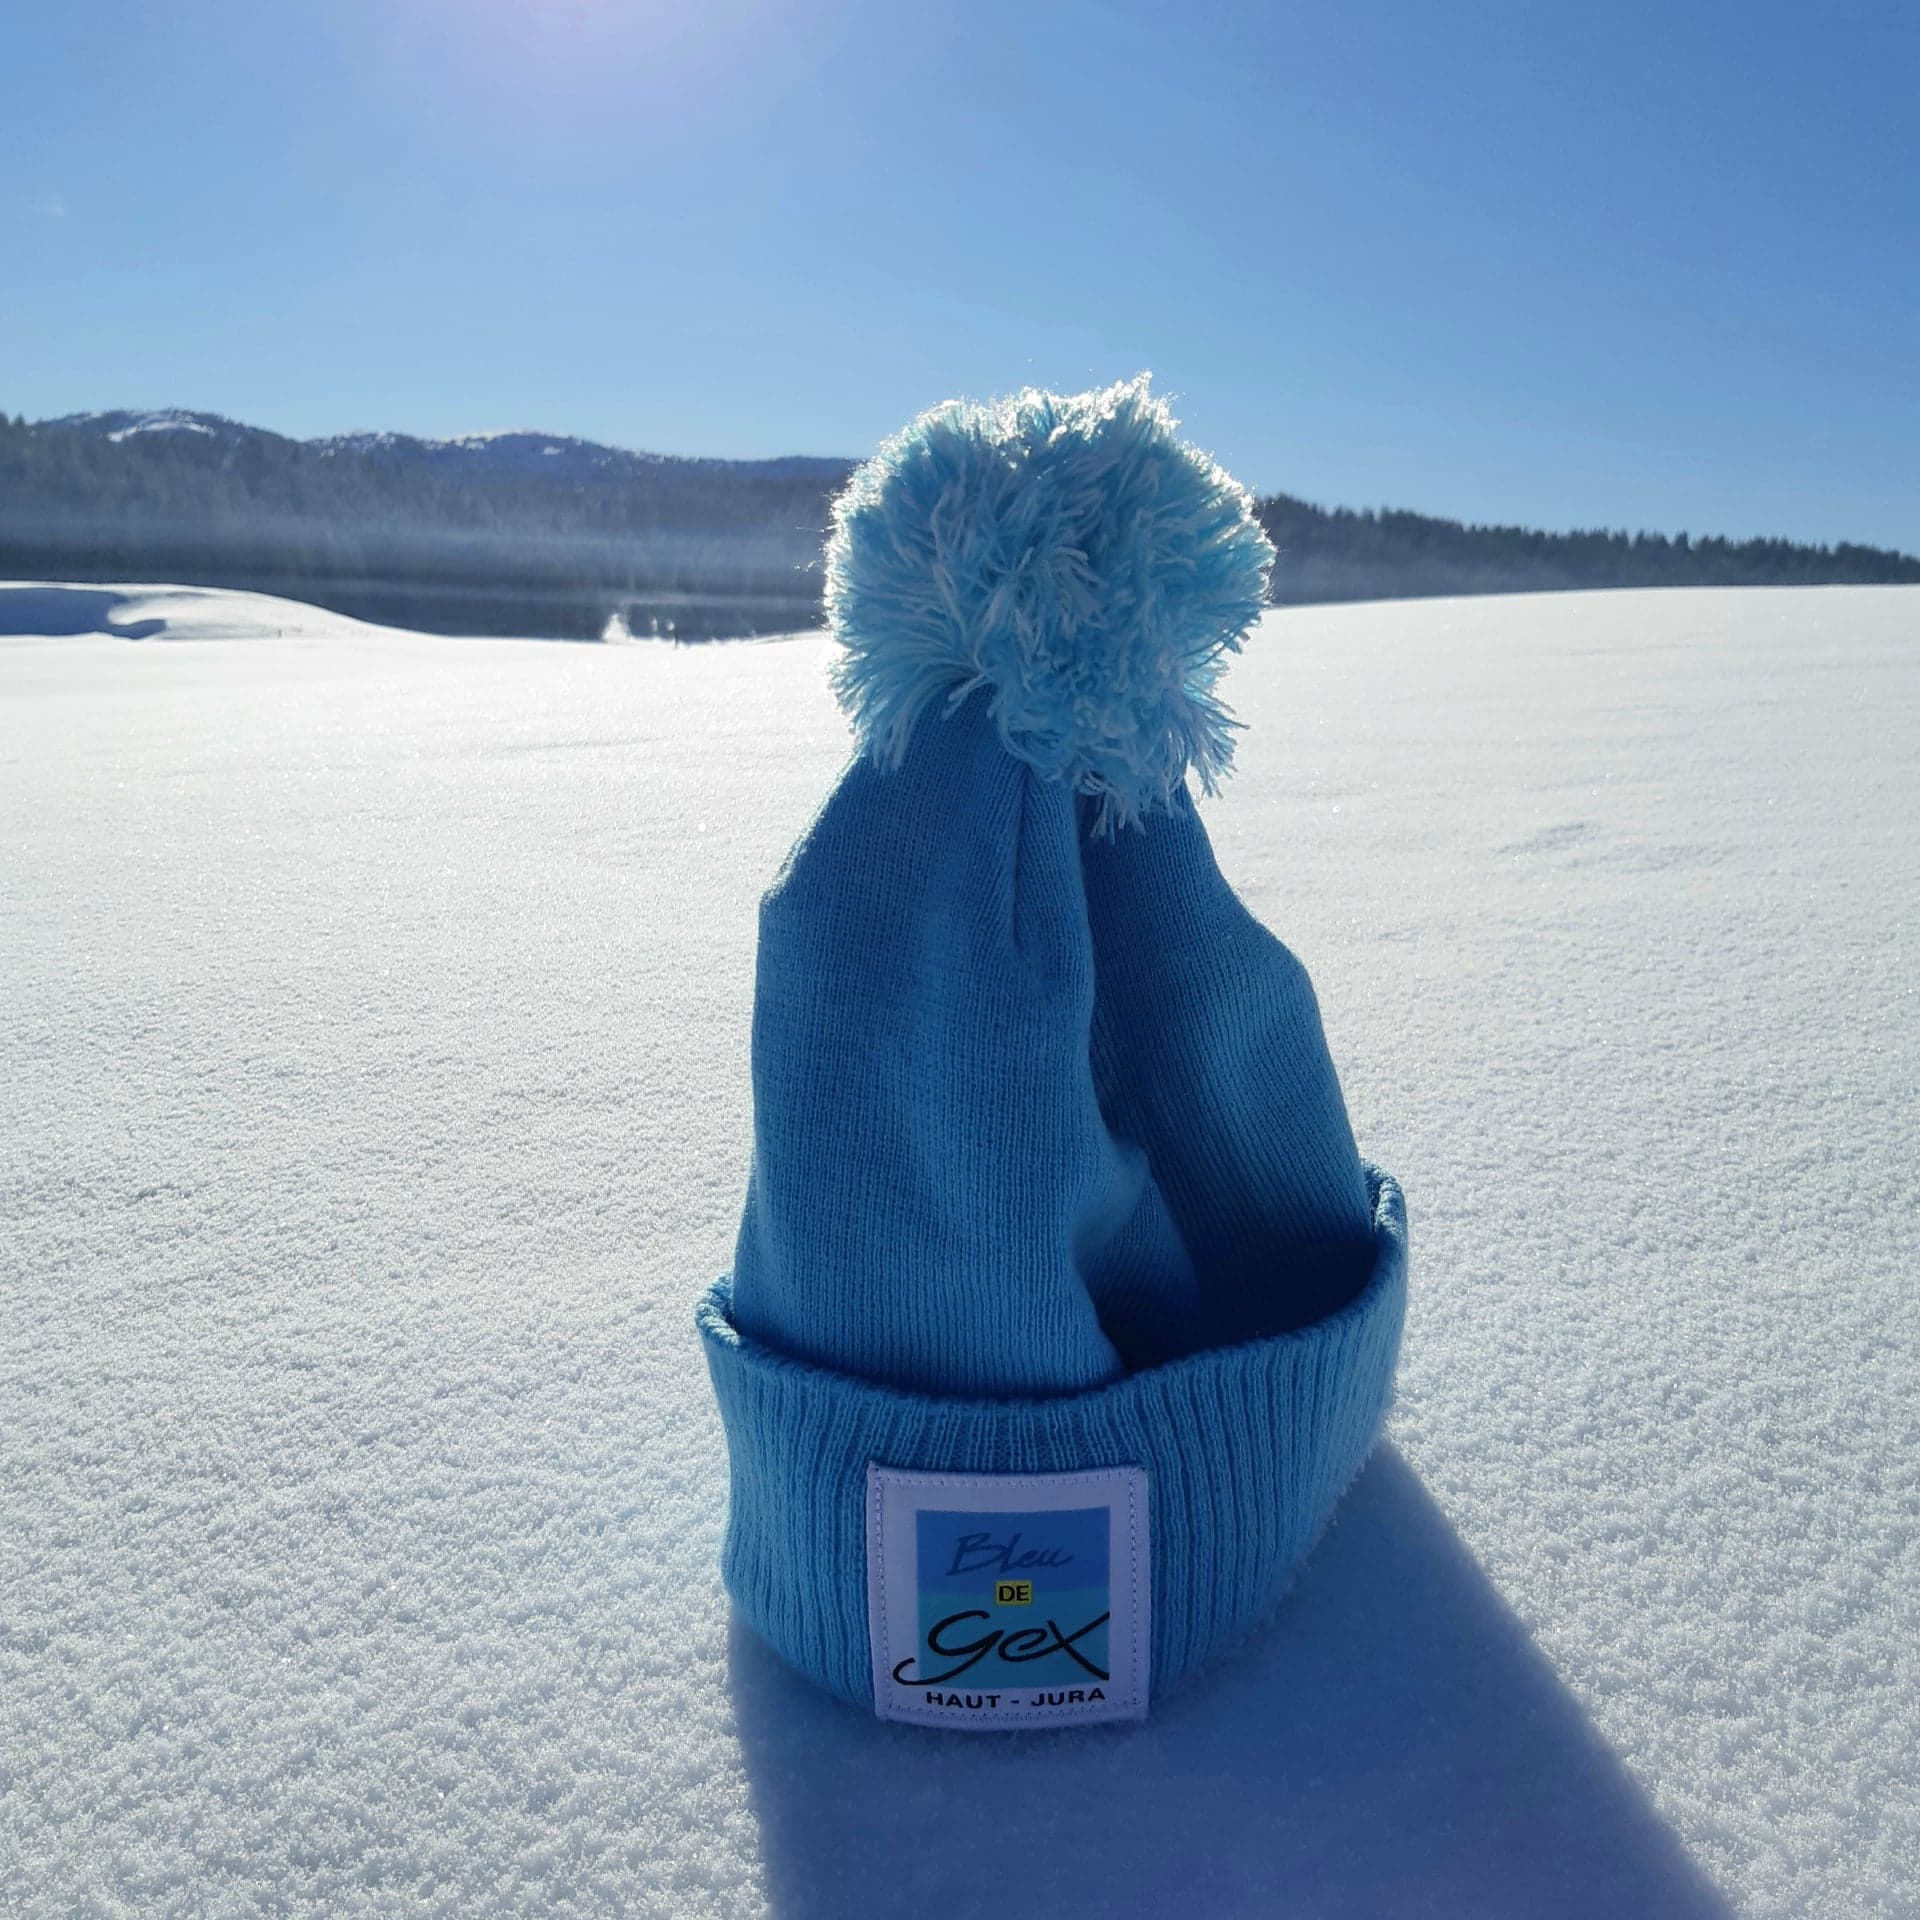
x=1007, y=1599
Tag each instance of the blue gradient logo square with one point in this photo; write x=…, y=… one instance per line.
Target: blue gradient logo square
x=1016, y=1597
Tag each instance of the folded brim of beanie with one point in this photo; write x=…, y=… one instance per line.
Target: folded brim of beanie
x=1246, y=1450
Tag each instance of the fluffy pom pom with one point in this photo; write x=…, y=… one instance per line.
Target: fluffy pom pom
x=1072, y=555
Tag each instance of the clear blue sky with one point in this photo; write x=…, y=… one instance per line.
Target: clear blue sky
x=1632, y=265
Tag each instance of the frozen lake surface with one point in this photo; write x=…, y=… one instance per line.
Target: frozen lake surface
x=375, y=1055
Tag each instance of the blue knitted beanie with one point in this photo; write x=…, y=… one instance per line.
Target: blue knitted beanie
x=1064, y=1307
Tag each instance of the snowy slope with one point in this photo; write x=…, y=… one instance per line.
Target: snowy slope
x=33, y=610
x=375, y=1046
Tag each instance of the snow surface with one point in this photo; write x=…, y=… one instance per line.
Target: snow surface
x=375, y=1054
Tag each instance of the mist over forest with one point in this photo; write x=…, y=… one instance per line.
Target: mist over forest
x=527, y=533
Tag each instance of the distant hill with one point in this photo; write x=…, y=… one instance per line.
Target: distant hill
x=538, y=533
x=488, y=533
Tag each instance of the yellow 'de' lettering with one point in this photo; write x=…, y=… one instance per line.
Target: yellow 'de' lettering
x=1013, y=1593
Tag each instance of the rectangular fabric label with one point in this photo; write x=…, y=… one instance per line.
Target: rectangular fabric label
x=1007, y=1599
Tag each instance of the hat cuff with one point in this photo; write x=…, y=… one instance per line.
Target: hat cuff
x=1247, y=1449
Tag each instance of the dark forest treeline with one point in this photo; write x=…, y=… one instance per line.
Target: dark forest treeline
x=1346, y=555
x=530, y=533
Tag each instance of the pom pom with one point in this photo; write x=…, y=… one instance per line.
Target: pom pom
x=1072, y=555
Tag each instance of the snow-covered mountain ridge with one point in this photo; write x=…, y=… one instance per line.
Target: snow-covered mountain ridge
x=508, y=452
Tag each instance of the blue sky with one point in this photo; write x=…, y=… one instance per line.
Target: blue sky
x=1634, y=265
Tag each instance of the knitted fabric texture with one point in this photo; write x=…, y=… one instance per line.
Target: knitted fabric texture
x=1051, y=1168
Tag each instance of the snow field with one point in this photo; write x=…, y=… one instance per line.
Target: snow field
x=375, y=1045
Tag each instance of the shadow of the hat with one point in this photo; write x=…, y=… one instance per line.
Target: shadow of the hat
x=1391, y=1743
